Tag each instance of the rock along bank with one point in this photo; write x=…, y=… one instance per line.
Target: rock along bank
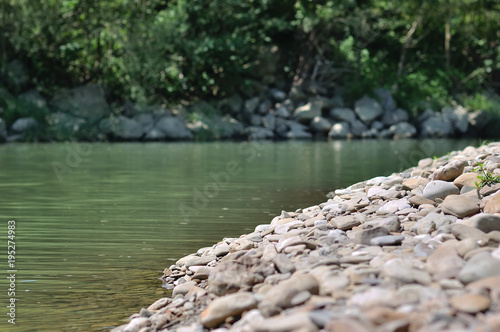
x=413, y=251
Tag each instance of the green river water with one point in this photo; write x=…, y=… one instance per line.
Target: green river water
x=96, y=224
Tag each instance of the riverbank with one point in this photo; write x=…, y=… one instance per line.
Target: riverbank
x=414, y=251
x=84, y=113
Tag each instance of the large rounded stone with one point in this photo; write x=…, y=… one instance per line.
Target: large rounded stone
x=460, y=206
x=440, y=189
x=480, y=266
x=470, y=303
x=493, y=205
x=450, y=171
x=485, y=222
x=227, y=306
x=367, y=109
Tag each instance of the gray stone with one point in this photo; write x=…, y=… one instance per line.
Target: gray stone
x=183, y=289
x=233, y=104
x=264, y=107
x=146, y=120
x=402, y=130
x=440, y=189
x=283, y=294
x=297, y=131
x=227, y=306
x=444, y=262
x=320, y=125
x=86, y=101
x=126, y=128
x=403, y=271
x=478, y=119
x=173, y=128
x=460, y=205
x=367, y=109
x=458, y=116
x=462, y=232
x=282, y=112
x=387, y=240
x=255, y=120
x=343, y=114
x=154, y=134
x=269, y=121
x=365, y=236
x=358, y=128
x=294, y=322
x=394, y=117
x=307, y=112
x=22, y=125
x=340, y=130
x=485, y=222
x=479, y=266
x=64, y=123
x=277, y=94
x=283, y=264
x=250, y=105
x=195, y=260
x=436, y=126
x=392, y=223
x=385, y=97
x=137, y=324
x=258, y=133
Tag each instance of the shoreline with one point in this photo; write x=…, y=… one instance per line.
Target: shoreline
x=414, y=251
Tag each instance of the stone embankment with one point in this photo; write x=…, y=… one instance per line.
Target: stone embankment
x=268, y=113
x=413, y=251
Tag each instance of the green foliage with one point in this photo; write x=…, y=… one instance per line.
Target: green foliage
x=485, y=177
x=159, y=51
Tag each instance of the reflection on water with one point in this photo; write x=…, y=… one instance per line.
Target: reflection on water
x=96, y=224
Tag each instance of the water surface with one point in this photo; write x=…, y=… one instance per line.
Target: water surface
x=96, y=224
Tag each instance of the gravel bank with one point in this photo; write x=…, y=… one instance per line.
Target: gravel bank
x=414, y=251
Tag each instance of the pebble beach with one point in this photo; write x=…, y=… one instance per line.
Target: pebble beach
x=417, y=250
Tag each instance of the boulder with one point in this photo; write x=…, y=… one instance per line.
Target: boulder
x=86, y=101
x=436, y=126
x=146, y=120
x=126, y=128
x=277, y=94
x=307, y=112
x=269, y=121
x=396, y=116
x=340, y=130
x=173, y=128
x=297, y=131
x=402, y=130
x=478, y=119
x=385, y=98
x=232, y=104
x=320, y=125
x=60, y=122
x=343, y=114
x=250, y=105
x=358, y=128
x=22, y=125
x=367, y=109
x=258, y=133
x=458, y=116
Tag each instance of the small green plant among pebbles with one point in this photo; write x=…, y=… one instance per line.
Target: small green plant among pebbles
x=486, y=177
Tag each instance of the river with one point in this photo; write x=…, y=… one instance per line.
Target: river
x=96, y=224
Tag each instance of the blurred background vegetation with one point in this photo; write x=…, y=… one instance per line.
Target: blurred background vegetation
x=160, y=51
